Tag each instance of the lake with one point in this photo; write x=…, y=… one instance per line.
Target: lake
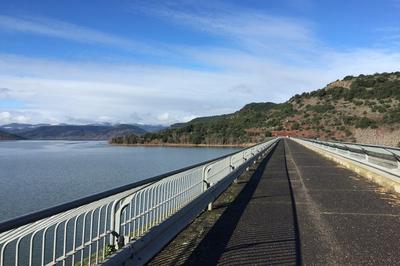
x=39, y=174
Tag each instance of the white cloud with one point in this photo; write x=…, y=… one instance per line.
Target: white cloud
x=271, y=59
x=146, y=94
x=7, y=117
x=163, y=117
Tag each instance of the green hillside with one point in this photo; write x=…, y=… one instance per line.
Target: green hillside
x=364, y=109
x=232, y=128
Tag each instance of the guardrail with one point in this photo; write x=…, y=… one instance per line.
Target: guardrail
x=382, y=158
x=128, y=224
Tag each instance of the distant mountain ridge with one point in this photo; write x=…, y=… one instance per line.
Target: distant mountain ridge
x=365, y=109
x=74, y=132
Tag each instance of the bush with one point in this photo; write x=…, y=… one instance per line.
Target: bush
x=320, y=108
x=365, y=123
x=295, y=126
x=392, y=116
x=347, y=132
x=349, y=120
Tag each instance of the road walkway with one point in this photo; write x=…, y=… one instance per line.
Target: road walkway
x=301, y=208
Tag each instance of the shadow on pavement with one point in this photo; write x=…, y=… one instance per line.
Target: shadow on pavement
x=268, y=231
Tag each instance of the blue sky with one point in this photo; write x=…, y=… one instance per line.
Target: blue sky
x=169, y=61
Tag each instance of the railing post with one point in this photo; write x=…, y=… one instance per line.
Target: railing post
x=210, y=205
x=114, y=221
x=232, y=168
x=207, y=185
x=119, y=240
x=236, y=179
x=397, y=157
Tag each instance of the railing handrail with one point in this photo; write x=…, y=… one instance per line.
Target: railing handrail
x=389, y=155
x=356, y=144
x=13, y=223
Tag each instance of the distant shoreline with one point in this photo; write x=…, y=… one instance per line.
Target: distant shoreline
x=185, y=145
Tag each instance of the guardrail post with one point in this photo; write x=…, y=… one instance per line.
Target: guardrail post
x=366, y=154
x=398, y=162
x=113, y=221
x=210, y=206
x=119, y=240
x=236, y=179
x=207, y=185
x=397, y=157
x=232, y=168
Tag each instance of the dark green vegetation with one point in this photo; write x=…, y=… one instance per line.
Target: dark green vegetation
x=74, y=132
x=348, y=109
x=8, y=136
x=372, y=87
x=224, y=129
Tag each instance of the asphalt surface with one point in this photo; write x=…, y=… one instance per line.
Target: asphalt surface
x=301, y=208
x=259, y=227
x=343, y=218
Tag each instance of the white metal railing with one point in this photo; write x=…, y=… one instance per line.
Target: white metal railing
x=86, y=231
x=383, y=158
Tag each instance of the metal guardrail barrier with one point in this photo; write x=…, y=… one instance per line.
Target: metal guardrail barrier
x=136, y=219
x=383, y=158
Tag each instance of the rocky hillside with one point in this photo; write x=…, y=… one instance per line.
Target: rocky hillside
x=363, y=109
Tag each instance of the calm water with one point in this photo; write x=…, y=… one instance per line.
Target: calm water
x=40, y=174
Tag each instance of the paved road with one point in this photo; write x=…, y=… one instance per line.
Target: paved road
x=343, y=219
x=300, y=208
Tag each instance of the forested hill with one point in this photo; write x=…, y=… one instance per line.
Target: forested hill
x=365, y=109
x=8, y=136
x=235, y=128
x=71, y=132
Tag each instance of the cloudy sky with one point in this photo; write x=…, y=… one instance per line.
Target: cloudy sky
x=161, y=62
